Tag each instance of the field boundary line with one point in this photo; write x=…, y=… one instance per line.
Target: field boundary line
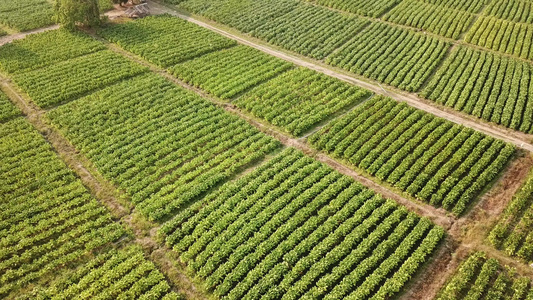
x=106, y=193
x=20, y=35
x=521, y=140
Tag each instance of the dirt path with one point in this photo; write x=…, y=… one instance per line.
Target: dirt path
x=18, y=36
x=519, y=139
x=107, y=194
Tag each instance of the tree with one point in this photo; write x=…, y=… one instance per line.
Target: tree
x=70, y=13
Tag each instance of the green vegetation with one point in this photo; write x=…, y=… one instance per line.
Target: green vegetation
x=299, y=99
x=391, y=55
x=23, y=15
x=513, y=233
x=72, y=13
x=433, y=18
x=7, y=110
x=472, y=6
x=511, y=10
x=503, y=36
x=362, y=7
x=71, y=79
x=310, y=30
x=163, y=145
x=482, y=276
x=245, y=15
x=116, y=274
x=48, y=219
x=429, y=158
x=294, y=228
x=229, y=72
x=486, y=85
x=42, y=49
x=165, y=40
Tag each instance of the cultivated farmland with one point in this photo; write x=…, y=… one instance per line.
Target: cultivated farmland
x=22, y=15
x=502, y=36
x=433, y=18
x=48, y=217
x=482, y=276
x=298, y=253
x=513, y=232
x=486, y=85
x=261, y=149
x=427, y=157
x=299, y=99
x=116, y=274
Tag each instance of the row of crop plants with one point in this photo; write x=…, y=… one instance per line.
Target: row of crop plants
x=54, y=76
x=481, y=277
x=361, y=7
x=295, y=99
x=430, y=17
x=7, y=110
x=115, y=274
x=163, y=145
x=153, y=140
x=513, y=232
x=486, y=85
x=406, y=59
x=294, y=228
x=395, y=56
x=427, y=157
x=512, y=10
x=503, y=36
x=24, y=15
x=169, y=149
x=50, y=223
x=48, y=218
x=391, y=55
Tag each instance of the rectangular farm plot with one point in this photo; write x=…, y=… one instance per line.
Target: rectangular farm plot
x=42, y=49
x=23, y=15
x=374, y=8
x=427, y=157
x=391, y=55
x=486, y=85
x=48, y=218
x=227, y=73
x=480, y=275
x=245, y=15
x=512, y=10
x=296, y=229
x=163, y=145
x=514, y=231
x=502, y=36
x=440, y=20
x=165, y=40
x=310, y=30
x=299, y=99
x=116, y=274
x=7, y=109
x=472, y=6
x=74, y=78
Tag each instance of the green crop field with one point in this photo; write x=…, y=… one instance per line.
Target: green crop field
x=261, y=149
x=479, y=276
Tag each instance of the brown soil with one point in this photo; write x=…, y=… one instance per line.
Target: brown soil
x=427, y=284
